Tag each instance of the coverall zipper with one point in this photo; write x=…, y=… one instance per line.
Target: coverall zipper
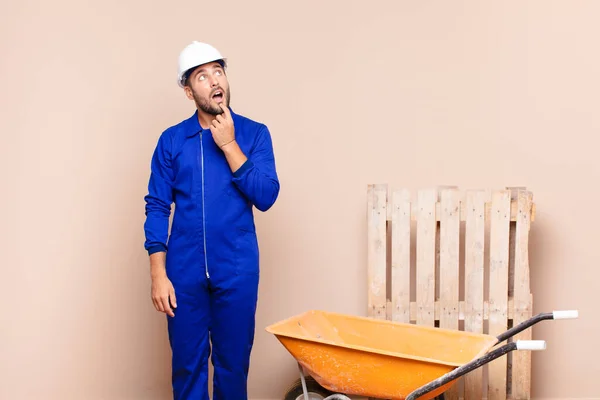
x=203, y=213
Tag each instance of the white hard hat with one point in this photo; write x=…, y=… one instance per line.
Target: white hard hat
x=194, y=54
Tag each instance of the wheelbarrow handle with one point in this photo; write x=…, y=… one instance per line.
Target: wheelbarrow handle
x=569, y=314
x=531, y=345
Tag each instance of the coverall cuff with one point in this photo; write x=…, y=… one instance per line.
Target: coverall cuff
x=156, y=249
x=241, y=170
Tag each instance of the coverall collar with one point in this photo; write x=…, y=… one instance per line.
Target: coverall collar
x=192, y=125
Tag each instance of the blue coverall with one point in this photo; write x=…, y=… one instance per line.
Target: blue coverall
x=212, y=251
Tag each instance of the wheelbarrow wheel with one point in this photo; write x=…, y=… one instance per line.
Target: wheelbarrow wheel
x=315, y=391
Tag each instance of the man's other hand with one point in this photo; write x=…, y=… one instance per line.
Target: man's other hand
x=163, y=295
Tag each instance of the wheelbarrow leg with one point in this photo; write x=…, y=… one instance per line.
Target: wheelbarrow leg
x=336, y=396
x=304, y=389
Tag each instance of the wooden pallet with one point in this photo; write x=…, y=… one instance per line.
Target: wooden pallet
x=456, y=260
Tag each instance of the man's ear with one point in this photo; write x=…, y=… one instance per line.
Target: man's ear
x=188, y=92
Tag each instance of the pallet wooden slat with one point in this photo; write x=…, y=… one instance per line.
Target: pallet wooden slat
x=462, y=311
x=426, y=229
x=498, y=281
x=430, y=221
x=521, y=382
x=449, y=266
x=474, y=314
x=487, y=210
x=401, y=229
x=377, y=226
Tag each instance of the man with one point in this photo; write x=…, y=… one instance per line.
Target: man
x=215, y=167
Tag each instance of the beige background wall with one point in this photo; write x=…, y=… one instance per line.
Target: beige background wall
x=420, y=93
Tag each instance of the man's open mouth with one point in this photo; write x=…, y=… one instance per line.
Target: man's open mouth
x=218, y=96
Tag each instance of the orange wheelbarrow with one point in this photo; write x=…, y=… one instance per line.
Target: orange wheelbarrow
x=348, y=355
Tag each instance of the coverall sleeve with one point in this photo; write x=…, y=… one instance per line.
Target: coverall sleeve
x=257, y=178
x=159, y=197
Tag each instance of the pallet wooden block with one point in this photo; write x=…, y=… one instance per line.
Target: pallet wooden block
x=459, y=260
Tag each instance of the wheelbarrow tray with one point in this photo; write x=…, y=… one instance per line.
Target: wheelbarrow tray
x=376, y=358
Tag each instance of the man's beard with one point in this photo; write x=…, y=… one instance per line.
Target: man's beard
x=204, y=104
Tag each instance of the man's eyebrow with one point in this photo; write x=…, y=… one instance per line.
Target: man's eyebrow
x=204, y=69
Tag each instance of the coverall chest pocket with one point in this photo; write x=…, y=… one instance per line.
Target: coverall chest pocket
x=246, y=253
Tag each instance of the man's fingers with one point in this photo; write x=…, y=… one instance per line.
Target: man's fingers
x=155, y=302
x=225, y=110
x=158, y=305
x=167, y=307
x=172, y=298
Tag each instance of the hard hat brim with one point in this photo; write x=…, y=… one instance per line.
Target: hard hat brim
x=183, y=76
